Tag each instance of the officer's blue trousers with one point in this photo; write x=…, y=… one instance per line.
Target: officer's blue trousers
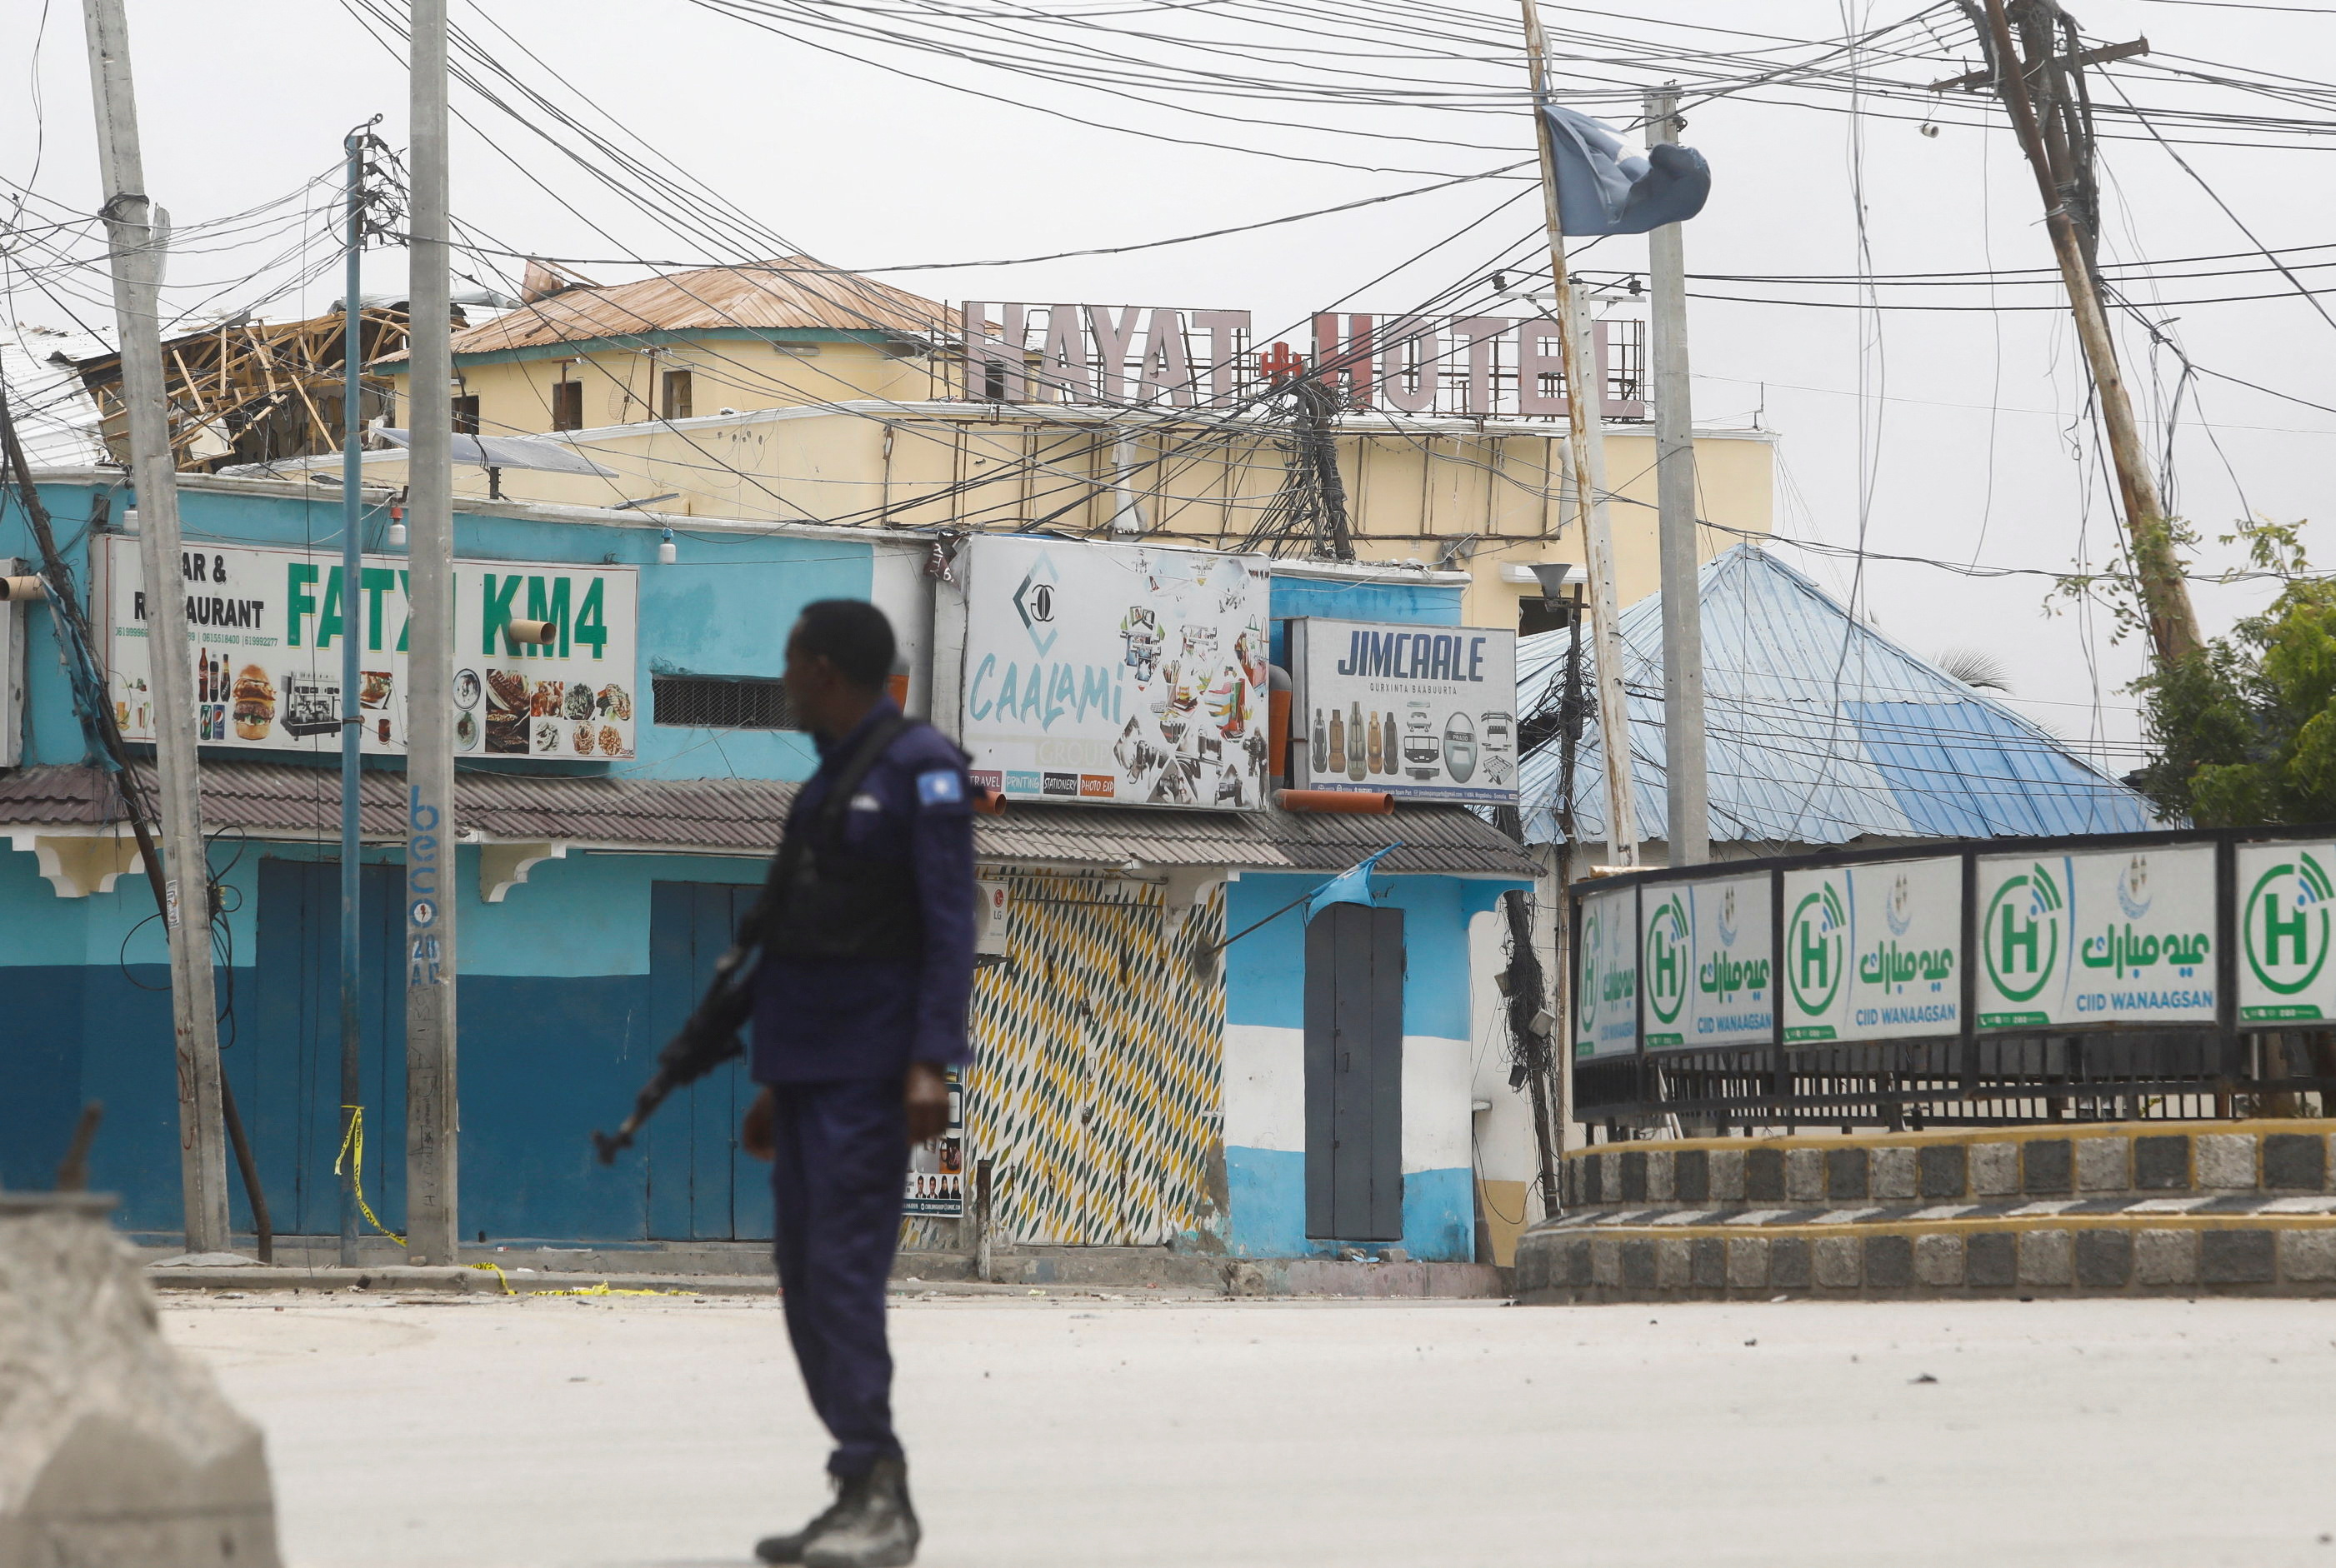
x=837, y=1181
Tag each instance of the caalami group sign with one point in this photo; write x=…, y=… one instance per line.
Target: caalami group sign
x=2218, y=930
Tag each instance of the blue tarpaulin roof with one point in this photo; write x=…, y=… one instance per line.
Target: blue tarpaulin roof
x=1820, y=731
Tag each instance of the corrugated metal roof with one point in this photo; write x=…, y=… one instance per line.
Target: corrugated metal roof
x=56, y=418
x=746, y=815
x=1820, y=731
x=793, y=292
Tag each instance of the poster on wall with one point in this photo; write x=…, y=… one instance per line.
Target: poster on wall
x=1705, y=961
x=1606, y=981
x=1871, y=952
x=1423, y=712
x=2285, y=895
x=266, y=624
x=1116, y=674
x=2097, y=936
x=934, y=1187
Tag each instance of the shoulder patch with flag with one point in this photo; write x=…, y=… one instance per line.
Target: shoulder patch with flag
x=940, y=787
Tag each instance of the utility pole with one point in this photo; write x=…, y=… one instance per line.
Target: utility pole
x=1585, y=454
x=351, y=716
x=138, y=235
x=2165, y=595
x=1685, y=766
x=431, y=1217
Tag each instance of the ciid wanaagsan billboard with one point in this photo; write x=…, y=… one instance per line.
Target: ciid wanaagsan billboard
x=1116, y=674
x=2228, y=929
x=265, y=638
x=1423, y=713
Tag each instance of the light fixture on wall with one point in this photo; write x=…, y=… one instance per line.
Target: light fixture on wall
x=397, y=527
x=666, y=553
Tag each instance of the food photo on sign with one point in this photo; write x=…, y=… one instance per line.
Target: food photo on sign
x=1115, y=674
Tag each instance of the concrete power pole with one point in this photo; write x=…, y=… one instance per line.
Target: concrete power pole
x=1585, y=453
x=138, y=233
x=432, y=1222
x=1686, y=765
x=2165, y=595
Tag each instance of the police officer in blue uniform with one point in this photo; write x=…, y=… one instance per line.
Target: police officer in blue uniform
x=860, y=1008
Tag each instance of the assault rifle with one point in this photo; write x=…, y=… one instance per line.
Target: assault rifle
x=712, y=1036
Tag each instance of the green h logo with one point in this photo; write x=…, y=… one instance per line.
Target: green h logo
x=2021, y=934
x=2286, y=925
x=1816, y=948
x=1667, y=948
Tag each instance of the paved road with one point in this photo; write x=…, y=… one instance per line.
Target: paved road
x=1094, y=1434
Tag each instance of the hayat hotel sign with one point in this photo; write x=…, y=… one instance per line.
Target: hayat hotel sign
x=1117, y=675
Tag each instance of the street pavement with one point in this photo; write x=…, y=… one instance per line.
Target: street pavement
x=613, y=1432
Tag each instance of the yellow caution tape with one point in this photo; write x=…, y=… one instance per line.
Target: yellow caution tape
x=353, y=1151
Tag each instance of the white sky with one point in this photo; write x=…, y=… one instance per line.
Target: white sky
x=1969, y=446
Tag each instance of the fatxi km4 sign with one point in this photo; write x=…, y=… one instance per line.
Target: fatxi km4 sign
x=1425, y=712
x=265, y=629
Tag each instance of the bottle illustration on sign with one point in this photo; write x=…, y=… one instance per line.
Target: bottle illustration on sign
x=1320, y=757
x=1389, y=743
x=1374, y=752
x=1354, y=742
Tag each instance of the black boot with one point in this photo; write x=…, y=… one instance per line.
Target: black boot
x=790, y=1548
x=873, y=1527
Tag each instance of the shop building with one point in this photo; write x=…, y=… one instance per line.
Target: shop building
x=1136, y=1083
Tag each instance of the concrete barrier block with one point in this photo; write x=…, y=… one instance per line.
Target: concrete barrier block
x=1639, y=1266
x=112, y=1448
x=2161, y=1163
x=1605, y=1261
x=1804, y=1181
x=2047, y=1166
x=2165, y=1257
x=2226, y=1161
x=1995, y=1169
x=1691, y=1176
x=1788, y=1263
x=1946, y=1171
x=1849, y=1175
x=1747, y=1263
x=1674, y=1264
x=2104, y=1164
x=2306, y=1256
x=1579, y=1271
x=1764, y=1174
x=2237, y=1258
x=1661, y=1167
x=1840, y=1262
x=1728, y=1176
x=2295, y=1162
x=1609, y=1176
x=2104, y=1259
x=2046, y=1258
x=1889, y=1262
x=1939, y=1261
x=1708, y=1263
x=1991, y=1261
x=1895, y=1174
x=1632, y=1166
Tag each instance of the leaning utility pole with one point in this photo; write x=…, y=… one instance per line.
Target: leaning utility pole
x=431, y=1218
x=2165, y=595
x=1685, y=770
x=351, y=716
x=138, y=233
x=1585, y=460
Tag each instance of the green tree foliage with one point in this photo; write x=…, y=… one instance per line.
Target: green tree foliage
x=2243, y=732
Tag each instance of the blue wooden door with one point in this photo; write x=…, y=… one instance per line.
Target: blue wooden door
x=701, y=1185
x=280, y=1037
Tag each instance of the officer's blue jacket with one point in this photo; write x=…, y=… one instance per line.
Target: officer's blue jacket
x=817, y=1021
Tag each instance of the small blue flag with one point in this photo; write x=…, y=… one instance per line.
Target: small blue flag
x=1352, y=886
x=1602, y=191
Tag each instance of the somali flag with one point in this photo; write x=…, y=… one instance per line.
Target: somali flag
x=1350, y=887
x=1602, y=191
